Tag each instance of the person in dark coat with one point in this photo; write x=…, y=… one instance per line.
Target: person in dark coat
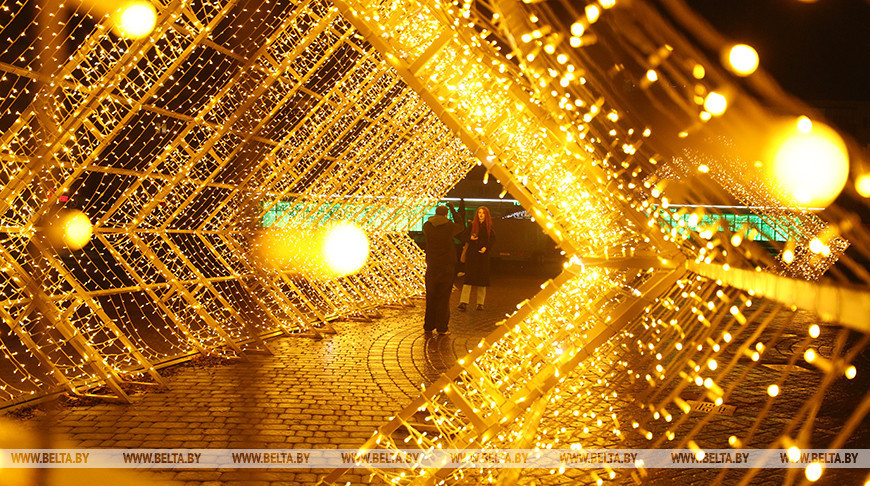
x=480, y=243
x=440, y=268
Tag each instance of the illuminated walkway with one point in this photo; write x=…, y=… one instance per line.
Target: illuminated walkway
x=335, y=392
x=331, y=393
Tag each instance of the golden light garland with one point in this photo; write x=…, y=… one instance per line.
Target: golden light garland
x=184, y=143
x=175, y=144
x=593, y=169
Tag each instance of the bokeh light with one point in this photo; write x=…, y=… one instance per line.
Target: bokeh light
x=810, y=163
x=813, y=471
x=137, y=19
x=77, y=230
x=592, y=13
x=715, y=103
x=742, y=60
x=345, y=249
x=324, y=253
x=862, y=185
x=851, y=372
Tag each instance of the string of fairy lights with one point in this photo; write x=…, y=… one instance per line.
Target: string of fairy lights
x=161, y=150
x=598, y=117
x=145, y=148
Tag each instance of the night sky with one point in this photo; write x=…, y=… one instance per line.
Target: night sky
x=817, y=51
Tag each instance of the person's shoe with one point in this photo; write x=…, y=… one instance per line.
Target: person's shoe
x=479, y=306
x=462, y=306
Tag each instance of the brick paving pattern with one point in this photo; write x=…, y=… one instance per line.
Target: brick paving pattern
x=331, y=393
x=335, y=392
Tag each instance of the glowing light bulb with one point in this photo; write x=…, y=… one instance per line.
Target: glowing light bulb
x=577, y=29
x=345, y=248
x=810, y=163
x=137, y=20
x=862, y=185
x=804, y=124
x=813, y=471
x=816, y=245
x=651, y=75
x=77, y=230
x=815, y=331
x=794, y=454
x=715, y=103
x=773, y=390
x=742, y=60
x=592, y=13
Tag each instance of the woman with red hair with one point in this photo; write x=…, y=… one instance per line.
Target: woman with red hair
x=477, y=253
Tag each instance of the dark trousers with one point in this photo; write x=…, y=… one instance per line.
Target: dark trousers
x=438, y=290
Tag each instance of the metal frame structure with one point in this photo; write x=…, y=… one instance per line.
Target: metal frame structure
x=175, y=146
x=178, y=144
x=647, y=303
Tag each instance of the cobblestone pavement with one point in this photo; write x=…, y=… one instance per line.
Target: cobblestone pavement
x=335, y=392
x=331, y=393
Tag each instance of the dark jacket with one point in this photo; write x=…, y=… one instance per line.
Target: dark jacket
x=476, y=263
x=440, y=251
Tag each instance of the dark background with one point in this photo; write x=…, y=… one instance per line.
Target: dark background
x=816, y=51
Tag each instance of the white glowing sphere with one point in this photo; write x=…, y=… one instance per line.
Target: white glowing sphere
x=814, y=471
x=811, y=163
x=715, y=103
x=77, y=230
x=862, y=185
x=138, y=20
x=592, y=13
x=742, y=60
x=345, y=249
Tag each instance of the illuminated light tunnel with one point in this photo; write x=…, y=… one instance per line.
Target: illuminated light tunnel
x=144, y=174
